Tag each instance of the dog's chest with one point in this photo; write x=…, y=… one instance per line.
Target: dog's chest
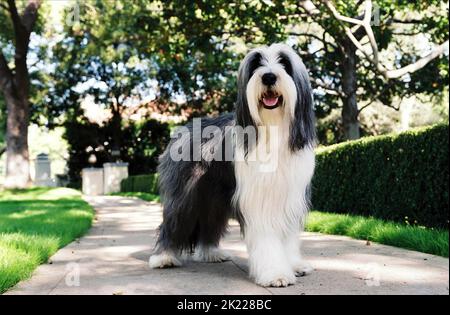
x=274, y=187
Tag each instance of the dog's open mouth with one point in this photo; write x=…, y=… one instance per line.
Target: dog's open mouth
x=271, y=100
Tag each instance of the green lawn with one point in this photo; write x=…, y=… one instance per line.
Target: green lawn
x=421, y=239
x=34, y=224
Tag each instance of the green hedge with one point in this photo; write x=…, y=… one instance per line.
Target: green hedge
x=401, y=177
x=140, y=183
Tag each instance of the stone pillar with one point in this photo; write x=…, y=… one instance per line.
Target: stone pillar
x=92, y=181
x=43, y=171
x=113, y=173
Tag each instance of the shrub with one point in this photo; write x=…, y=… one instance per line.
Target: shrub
x=140, y=183
x=140, y=145
x=401, y=177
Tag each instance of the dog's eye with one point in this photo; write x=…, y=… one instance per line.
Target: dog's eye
x=255, y=63
x=284, y=60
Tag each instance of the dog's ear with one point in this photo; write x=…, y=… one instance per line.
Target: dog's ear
x=248, y=66
x=302, y=130
x=243, y=117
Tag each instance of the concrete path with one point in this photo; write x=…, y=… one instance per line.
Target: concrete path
x=112, y=259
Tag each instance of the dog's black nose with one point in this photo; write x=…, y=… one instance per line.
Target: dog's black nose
x=269, y=79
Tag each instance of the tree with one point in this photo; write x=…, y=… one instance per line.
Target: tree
x=192, y=50
x=96, y=62
x=118, y=48
x=203, y=44
x=2, y=126
x=355, y=64
x=15, y=87
x=350, y=62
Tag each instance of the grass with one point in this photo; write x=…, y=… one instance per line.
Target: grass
x=141, y=195
x=431, y=241
x=34, y=224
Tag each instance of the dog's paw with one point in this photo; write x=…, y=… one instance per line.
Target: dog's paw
x=303, y=269
x=211, y=255
x=276, y=281
x=164, y=260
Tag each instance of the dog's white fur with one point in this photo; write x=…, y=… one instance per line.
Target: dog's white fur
x=274, y=204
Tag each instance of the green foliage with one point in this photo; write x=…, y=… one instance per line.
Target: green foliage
x=191, y=49
x=141, y=145
x=140, y=183
x=6, y=26
x=121, y=52
x=400, y=177
x=398, y=43
x=431, y=241
x=34, y=224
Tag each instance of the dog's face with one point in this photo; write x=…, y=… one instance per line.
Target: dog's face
x=271, y=83
x=275, y=79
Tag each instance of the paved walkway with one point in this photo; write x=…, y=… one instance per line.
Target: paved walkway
x=112, y=259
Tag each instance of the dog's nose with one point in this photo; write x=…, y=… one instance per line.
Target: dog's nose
x=269, y=79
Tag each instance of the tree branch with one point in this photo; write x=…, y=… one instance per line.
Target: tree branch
x=419, y=64
x=30, y=14
x=341, y=17
x=407, y=33
x=14, y=13
x=21, y=41
x=306, y=35
x=5, y=73
x=406, y=21
x=309, y=7
x=321, y=39
x=365, y=23
x=373, y=55
x=22, y=30
x=327, y=87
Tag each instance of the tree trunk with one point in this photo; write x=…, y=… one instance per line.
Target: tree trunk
x=17, y=155
x=116, y=134
x=350, y=106
x=14, y=84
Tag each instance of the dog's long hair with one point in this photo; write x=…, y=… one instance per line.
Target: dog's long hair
x=199, y=197
x=302, y=130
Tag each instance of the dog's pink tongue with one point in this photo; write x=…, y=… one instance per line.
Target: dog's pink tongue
x=270, y=101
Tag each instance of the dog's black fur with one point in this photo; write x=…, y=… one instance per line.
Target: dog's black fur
x=196, y=194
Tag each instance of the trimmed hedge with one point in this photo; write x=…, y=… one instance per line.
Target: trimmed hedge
x=140, y=183
x=401, y=177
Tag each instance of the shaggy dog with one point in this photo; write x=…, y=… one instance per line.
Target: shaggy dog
x=254, y=165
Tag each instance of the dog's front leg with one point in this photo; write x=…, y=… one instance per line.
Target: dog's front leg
x=268, y=263
x=293, y=251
